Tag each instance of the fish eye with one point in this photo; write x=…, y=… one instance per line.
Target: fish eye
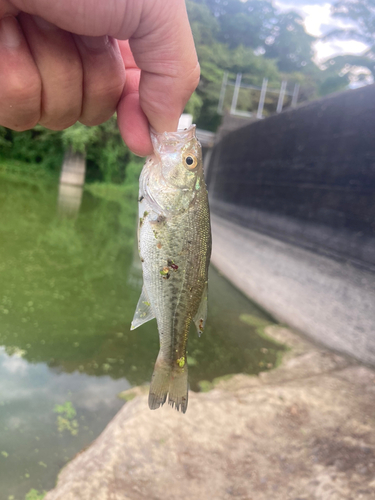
x=190, y=161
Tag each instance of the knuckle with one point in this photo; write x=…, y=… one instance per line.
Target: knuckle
x=57, y=124
x=101, y=102
x=109, y=89
x=25, y=92
x=20, y=102
x=93, y=121
x=27, y=124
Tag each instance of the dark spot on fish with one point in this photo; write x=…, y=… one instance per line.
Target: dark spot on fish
x=145, y=214
x=141, y=198
x=140, y=222
x=172, y=265
x=165, y=273
x=142, y=260
x=189, y=242
x=159, y=220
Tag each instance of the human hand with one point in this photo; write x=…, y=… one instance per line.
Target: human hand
x=62, y=62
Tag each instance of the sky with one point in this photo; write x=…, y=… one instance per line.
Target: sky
x=318, y=21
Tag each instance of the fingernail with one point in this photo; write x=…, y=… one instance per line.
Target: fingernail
x=95, y=42
x=10, y=32
x=43, y=24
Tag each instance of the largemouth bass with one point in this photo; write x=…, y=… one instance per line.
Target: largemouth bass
x=174, y=238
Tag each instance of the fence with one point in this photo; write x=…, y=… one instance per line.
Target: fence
x=282, y=91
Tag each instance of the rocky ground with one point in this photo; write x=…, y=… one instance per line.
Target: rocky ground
x=305, y=431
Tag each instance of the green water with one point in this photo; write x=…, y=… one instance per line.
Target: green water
x=68, y=289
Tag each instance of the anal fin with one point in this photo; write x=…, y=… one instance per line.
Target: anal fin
x=201, y=316
x=143, y=311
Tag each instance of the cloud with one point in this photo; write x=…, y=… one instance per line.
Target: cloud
x=23, y=381
x=15, y=364
x=318, y=21
x=330, y=48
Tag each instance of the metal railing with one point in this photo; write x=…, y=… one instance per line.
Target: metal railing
x=282, y=91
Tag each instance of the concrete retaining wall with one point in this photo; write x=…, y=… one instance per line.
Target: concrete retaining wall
x=306, y=176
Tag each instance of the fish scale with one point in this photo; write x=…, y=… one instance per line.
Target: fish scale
x=175, y=246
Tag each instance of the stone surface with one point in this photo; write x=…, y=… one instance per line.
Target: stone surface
x=305, y=431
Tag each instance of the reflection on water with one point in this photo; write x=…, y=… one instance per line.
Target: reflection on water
x=32, y=450
x=68, y=290
x=70, y=198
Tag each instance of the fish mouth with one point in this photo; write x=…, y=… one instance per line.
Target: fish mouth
x=165, y=141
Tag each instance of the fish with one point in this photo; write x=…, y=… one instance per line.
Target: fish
x=174, y=243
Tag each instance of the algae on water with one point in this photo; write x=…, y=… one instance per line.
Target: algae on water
x=66, y=418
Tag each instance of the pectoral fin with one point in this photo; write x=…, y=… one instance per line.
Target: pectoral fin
x=201, y=316
x=143, y=311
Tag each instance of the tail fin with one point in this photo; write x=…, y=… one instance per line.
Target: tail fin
x=165, y=380
x=178, y=388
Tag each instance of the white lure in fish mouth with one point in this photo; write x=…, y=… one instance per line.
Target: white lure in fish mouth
x=168, y=142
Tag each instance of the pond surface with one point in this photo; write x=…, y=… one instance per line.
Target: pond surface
x=68, y=290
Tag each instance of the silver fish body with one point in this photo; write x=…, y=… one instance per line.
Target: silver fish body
x=174, y=238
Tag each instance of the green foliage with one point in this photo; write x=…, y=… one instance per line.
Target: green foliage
x=35, y=495
x=290, y=46
x=37, y=146
x=258, y=24
x=79, y=137
x=218, y=58
x=66, y=409
x=203, y=24
x=107, y=155
x=194, y=105
x=253, y=38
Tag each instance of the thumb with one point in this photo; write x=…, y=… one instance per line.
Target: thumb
x=169, y=65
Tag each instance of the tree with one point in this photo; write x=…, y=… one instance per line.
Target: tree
x=204, y=25
x=362, y=14
x=106, y=154
x=257, y=24
x=289, y=44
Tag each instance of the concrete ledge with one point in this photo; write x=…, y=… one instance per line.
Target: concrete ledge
x=338, y=243
x=330, y=301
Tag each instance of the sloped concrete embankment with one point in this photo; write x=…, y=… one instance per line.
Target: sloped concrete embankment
x=305, y=431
